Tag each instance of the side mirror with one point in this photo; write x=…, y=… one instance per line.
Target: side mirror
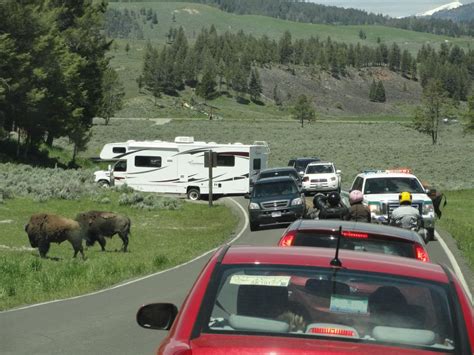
x=338, y=172
x=247, y=196
x=301, y=173
x=109, y=168
x=157, y=316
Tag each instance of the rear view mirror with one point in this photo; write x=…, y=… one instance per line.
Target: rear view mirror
x=109, y=168
x=157, y=316
x=338, y=172
x=247, y=196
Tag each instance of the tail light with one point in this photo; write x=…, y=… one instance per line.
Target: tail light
x=332, y=331
x=421, y=253
x=306, y=179
x=348, y=234
x=287, y=240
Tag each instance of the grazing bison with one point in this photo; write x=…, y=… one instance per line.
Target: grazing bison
x=98, y=224
x=44, y=228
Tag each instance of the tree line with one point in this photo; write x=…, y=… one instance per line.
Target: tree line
x=227, y=61
x=54, y=72
x=302, y=11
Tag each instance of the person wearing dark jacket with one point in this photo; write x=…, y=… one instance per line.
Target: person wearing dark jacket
x=330, y=206
x=358, y=212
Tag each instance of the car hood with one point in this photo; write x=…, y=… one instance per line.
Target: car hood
x=320, y=176
x=274, y=198
x=394, y=197
x=252, y=344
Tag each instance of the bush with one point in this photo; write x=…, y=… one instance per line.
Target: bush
x=149, y=201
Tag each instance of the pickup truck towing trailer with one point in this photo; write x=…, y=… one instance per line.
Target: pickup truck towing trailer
x=382, y=187
x=178, y=167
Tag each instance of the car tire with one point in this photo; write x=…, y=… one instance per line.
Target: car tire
x=194, y=194
x=103, y=183
x=254, y=226
x=430, y=234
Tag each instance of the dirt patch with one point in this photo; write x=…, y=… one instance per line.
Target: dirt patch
x=346, y=95
x=189, y=11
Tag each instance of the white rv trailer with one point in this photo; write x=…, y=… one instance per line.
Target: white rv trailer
x=178, y=167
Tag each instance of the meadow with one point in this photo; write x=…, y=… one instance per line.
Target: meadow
x=166, y=231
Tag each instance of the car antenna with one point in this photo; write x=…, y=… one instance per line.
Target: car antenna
x=336, y=262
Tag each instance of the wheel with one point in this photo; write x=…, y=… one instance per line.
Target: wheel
x=194, y=194
x=431, y=234
x=103, y=183
x=254, y=226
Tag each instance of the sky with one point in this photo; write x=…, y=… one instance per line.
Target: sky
x=392, y=8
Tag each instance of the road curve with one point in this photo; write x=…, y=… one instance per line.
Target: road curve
x=104, y=322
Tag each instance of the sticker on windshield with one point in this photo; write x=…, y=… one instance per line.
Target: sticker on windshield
x=346, y=304
x=260, y=280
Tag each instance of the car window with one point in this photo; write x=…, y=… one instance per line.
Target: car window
x=275, y=189
x=312, y=303
x=367, y=244
x=320, y=169
x=392, y=185
x=358, y=184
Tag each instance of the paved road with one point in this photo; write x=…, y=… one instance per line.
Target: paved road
x=104, y=323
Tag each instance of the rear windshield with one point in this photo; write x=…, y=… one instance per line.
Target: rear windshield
x=275, y=189
x=392, y=185
x=300, y=165
x=319, y=169
x=358, y=243
x=314, y=303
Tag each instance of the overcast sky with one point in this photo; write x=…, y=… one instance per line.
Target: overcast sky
x=390, y=7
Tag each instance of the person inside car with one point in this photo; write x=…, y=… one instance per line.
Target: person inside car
x=406, y=216
x=330, y=206
x=358, y=212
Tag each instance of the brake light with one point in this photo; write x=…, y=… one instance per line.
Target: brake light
x=354, y=235
x=421, y=253
x=399, y=170
x=333, y=331
x=306, y=179
x=287, y=240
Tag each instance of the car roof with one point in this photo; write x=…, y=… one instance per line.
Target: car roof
x=319, y=163
x=386, y=175
x=286, y=168
x=371, y=228
x=274, y=179
x=306, y=158
x=321, y=257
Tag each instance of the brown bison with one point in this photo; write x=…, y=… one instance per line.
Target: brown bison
x=99, y=224
x=45, y=228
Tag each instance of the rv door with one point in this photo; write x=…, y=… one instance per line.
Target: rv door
x=120, y=172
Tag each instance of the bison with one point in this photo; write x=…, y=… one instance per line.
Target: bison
x=99, y=224
x=44, y=229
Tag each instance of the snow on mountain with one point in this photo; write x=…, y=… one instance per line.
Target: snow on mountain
x=450, y=6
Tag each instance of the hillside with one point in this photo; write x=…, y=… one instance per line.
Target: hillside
x=463, y=13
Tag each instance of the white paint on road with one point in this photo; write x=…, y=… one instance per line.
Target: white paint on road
x=239, y=234
x=454, y=264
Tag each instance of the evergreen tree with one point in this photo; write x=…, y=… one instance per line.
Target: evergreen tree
x=114, y=93
x=394, y=57
x=285, y=48
x=207, y=86
x=380, y=92
x=303, y=110
x=276, y=96
x=255, y=86
x=405, y=63
x=469, y=116
x=428, y=115
x=373, y=91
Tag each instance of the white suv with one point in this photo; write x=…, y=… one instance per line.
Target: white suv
x=321, y=177
x=382, y=187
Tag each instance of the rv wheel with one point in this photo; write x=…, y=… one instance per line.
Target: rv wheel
x=194, y=194
x=103, y=183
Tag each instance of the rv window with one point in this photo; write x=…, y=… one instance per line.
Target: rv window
x=257, y=163
x=119, y=150
x=147, y=162
x=225, y=160
x=121, y=166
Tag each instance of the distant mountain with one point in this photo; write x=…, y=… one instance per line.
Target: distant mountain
x=450, y=6
x=463, y=13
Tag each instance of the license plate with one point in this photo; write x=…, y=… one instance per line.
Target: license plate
x=276, y=214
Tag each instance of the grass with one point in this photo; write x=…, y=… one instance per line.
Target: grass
x=457, y=220
x=160, y=239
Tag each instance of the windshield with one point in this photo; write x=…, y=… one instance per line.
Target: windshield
x=275, y=189
x=316, y=303
x=392, y=185
x=360, y=242
x=319, y=169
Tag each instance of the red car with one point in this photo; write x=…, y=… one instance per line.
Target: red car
x=272, y=300
x=368, y=237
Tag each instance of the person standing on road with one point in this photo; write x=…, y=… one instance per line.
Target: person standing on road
x=358, y=212
x=406, y=216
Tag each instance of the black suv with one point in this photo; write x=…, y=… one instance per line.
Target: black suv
x=275, y=200
x=300, y=164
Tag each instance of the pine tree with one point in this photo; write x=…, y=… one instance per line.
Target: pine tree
x=380, y=92
x=394, y=57
x=114, y=92
x=303, y=110
x=207, y=86
x=469, y=115
x=285, y=48
x=373, y=91
x=255, y=86
x=276, y=96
